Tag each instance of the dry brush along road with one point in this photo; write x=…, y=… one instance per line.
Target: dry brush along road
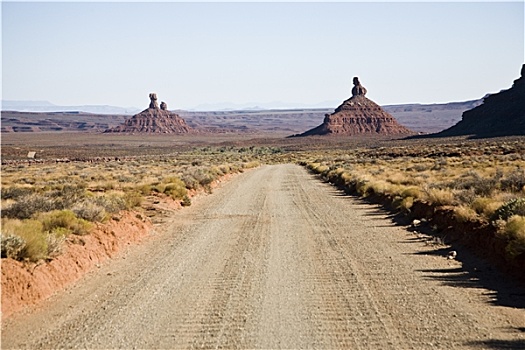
x=277, y=259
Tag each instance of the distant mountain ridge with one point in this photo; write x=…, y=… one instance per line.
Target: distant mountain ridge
x=46, y=106
x=423, y=118
x=430, y=118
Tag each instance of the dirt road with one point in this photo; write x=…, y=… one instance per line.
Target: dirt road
x=277, y=259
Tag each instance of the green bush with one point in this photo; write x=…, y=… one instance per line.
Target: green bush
x=31, y=232
x=65, y=219
x=26, y=239
x=515, y=206
x=176, y=189
x=515, y=232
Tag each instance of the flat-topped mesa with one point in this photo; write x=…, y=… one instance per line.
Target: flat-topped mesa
x=358, y=116
x=154, y=120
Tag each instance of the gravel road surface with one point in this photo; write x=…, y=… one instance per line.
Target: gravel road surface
x=276, y=259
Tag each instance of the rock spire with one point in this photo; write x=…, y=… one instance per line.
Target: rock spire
x=154, y=120
x=359, y=116
x=358, y=89
x=153, y=101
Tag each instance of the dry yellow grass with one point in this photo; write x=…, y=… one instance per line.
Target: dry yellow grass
x=43, y=202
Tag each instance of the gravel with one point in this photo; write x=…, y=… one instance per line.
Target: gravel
x=277, y=259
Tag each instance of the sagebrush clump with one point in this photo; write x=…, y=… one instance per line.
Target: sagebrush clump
x=42, y=204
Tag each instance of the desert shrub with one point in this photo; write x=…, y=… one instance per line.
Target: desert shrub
x=191, y=182
x=347, y=178
x=378, y=187
x=419, y=168
x=133, y=199
x=465, y=214
x=31, y=233
x=29, y=205
x=67, y=195
x=313, y=166
x=252, y=164
x=396, y=202
x=170, y=179
x=107, y=186
x=440, y=196
x=224, y=169
x=176, y=189
x=515, y=206
x=363, y=187
x=322, y=169
x=206, y=179
x=64, y=220
x=515, y=233
x=399, y=179
x=112, y=202
x=186, y=201
x=485, y=206
x=159, y=188
x=90, y=211
x=144, y=189
x=466, y=196
x=55, y=242
x=440, y=164
x=406, y=203
x=12, y=246
x=411, y=191
x=474, y=182
x=514, y=182
x=203, y=177
x=15, y=192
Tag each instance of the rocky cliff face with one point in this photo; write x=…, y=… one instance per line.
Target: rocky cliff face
x=154, y=120
x=501, y=114
x=359, y=116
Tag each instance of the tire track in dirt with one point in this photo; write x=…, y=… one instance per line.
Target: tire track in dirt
x=273, y=259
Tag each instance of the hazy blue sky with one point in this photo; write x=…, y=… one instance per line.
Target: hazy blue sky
x=300, y=53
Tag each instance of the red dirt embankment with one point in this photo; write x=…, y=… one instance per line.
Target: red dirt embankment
x=479, y=236
x=27, y=283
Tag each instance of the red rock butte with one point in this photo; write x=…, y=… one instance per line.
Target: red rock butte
x=359, y=116
x=501, y=114
x=154, y=120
